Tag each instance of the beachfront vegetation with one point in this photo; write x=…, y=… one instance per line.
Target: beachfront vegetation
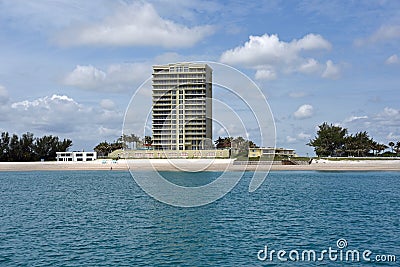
x=335, y=141
x=104, y=148
x=131, y=141
x=30, y=148
x=238, y=145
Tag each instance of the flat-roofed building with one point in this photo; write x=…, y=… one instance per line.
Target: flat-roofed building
x=270, y=152
x=182, y=106
x=76, y=156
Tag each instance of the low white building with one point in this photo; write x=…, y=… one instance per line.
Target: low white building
x=76, y=156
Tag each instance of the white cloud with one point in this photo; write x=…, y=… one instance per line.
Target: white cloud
x=3, y=95
x=393, y=59
x=384, y=34
x=390, y=112
x=104, y=131
x=265, y=74
x=269, y=50
x=116, y=78
x=310, y=66
x=85, y=76
x=304, y=111
x=383, y=125
x=354, y=118
x=303, y=136
x=47, y=103
x=290, y=139
x=61, y=114
x=136, y=24
x=332, y=71
x=269, y=55
x=297, y=94
x=107, y=104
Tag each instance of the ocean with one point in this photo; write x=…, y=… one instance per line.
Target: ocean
x=103, y=218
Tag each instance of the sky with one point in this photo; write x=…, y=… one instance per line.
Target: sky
x=69, y=68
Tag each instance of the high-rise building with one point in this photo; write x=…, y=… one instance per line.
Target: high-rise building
x=182, y=106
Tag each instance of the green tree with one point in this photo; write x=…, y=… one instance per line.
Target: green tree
x=46, y=147
x=223, y=142
x=103, y=149
x=397, y=147
x=14, y=153
x=26, y=145
x=119, y=144
x=64, y=145
x=4, y=146
x=381, y=147
x=359, y=144
x=329, y=141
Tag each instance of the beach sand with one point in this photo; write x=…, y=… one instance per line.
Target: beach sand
x=198, y=165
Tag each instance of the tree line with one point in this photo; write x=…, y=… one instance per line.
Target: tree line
x=335, y=141
x=238, y=143
x=131, y=141
x=30, y=148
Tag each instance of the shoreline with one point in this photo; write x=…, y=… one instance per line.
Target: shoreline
x=200, y=165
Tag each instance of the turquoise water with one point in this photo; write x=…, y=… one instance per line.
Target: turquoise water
x=97, y=218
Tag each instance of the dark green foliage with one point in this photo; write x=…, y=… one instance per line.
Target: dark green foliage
x=223, y=142
x=333, y=141
x=29, y=148
x=104, y=148
x=329, y=141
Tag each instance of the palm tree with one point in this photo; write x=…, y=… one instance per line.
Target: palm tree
x=391, y=144
x=135, y=140
x=397, y=147
x=380, y=148
x=127, y=139
x=103, y=149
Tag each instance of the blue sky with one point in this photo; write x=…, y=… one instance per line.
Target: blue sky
x=69, y=68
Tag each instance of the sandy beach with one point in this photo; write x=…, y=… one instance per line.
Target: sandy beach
x=198, y=165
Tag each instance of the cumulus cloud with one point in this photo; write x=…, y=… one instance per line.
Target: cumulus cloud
x=332, y=71
x=137, y=24
x=268, y=49
x=269, y=55
x=300, y=137
x=85, y=76
x=304, y=111
x=390, y=112
x=265, y=74
x=107, y=104
x=290, y=139
x=310, y=66
x=116, y=78
x=383, y=34
x=382, y=125
x=304, y=136
x=393, y=59
x=50, y=113
x=3, y=95
x=61, y=114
